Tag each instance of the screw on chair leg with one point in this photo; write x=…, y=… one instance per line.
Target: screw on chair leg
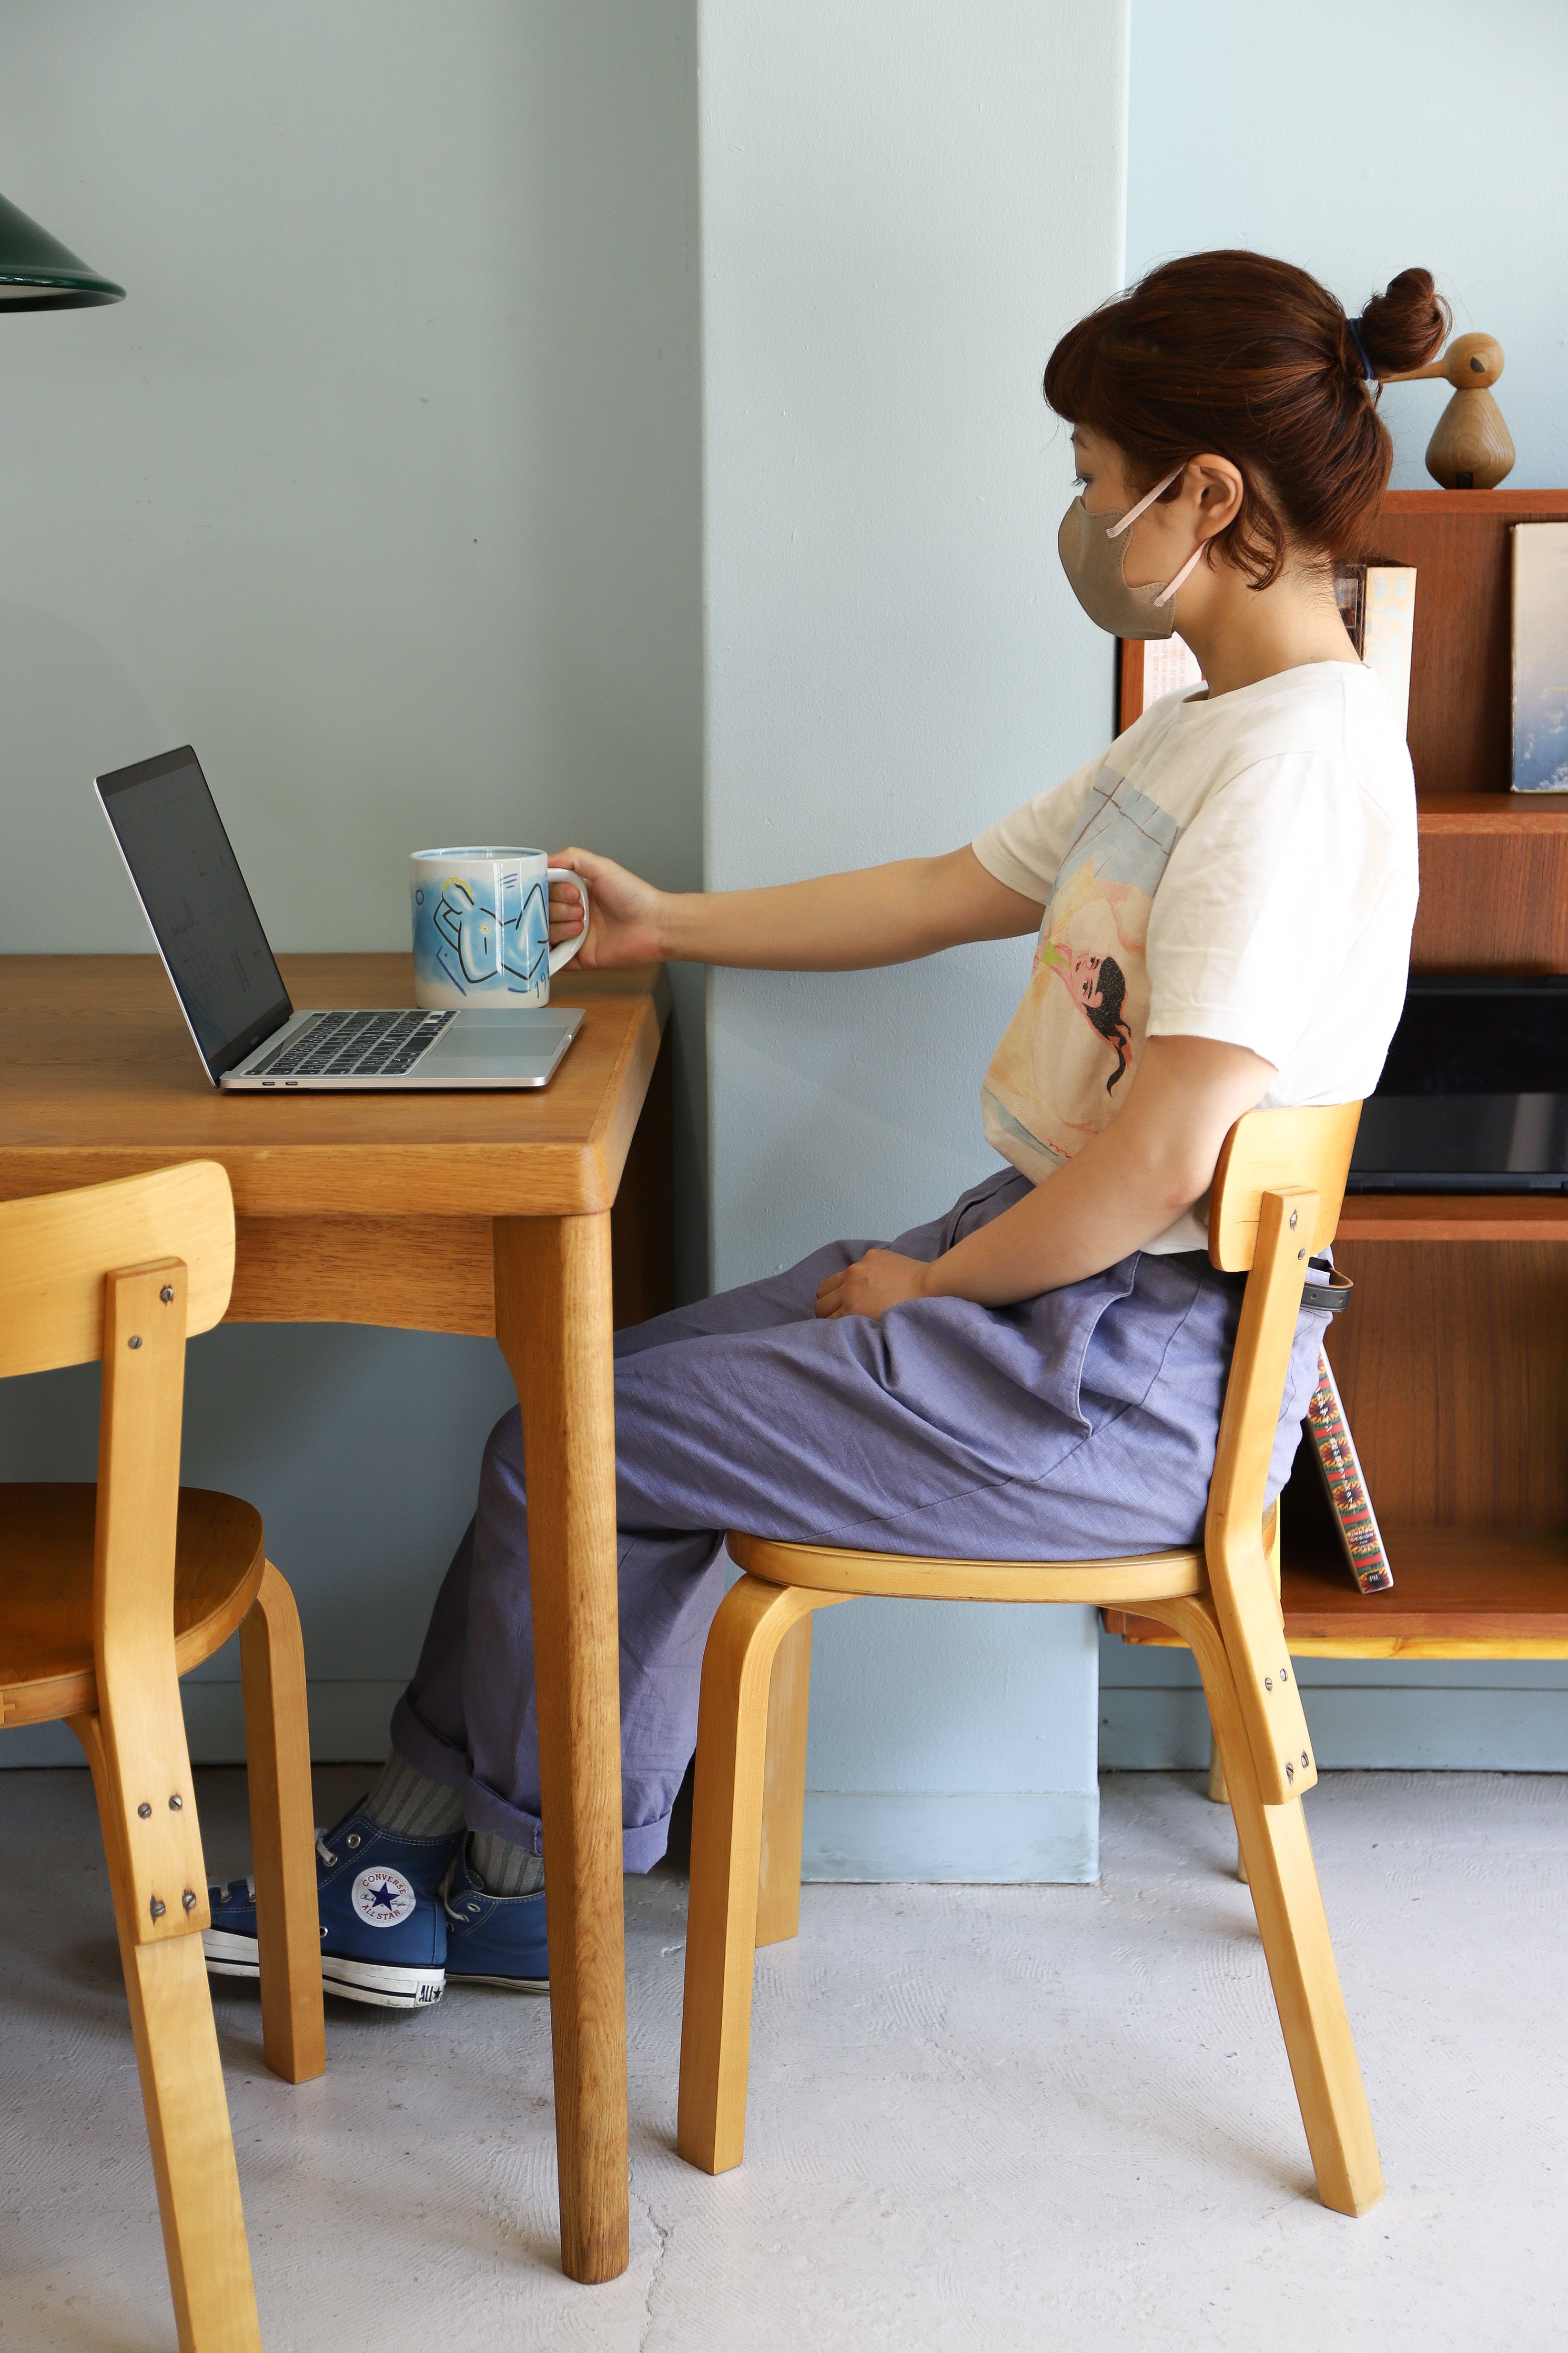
x=185, y=2106
x=1295, y=1932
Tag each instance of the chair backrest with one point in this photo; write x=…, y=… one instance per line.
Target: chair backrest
x=1275, y=1200
x=57, y=1247
x=1309, y=1149
x=125, y=1272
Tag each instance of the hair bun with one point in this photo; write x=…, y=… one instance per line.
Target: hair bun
x=1405, y=327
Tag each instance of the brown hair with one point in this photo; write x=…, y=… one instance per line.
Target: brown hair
x=1251, y=358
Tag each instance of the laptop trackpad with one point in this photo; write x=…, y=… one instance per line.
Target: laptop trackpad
x=522, y=1047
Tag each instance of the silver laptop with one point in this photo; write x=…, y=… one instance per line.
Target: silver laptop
x=231, y=992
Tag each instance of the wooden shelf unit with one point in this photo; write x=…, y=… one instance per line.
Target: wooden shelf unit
x=1458, y=1593
x=1477, y=815
x=1494, y=864
x=1453, y=1357
x=1453, y=1218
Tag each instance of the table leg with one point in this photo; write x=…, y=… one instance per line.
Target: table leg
x=553, y=1323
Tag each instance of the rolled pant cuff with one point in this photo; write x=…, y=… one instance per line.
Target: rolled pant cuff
x=484, y=1809
x=645, y=1843
x=439, y=1759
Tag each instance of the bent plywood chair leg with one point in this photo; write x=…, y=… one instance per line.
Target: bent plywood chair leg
x=1289, y=1902
x=278, y=1750
x=784, y=1788
x=188, y=2113
x=726, y=1860
x=1219, y=1795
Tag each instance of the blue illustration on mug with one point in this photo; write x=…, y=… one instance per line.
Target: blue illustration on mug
x=481, y=928
x=477, y=948
x=480, y=943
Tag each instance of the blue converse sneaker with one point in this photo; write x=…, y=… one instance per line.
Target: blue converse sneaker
x=383, y=1929
x=492, y=1940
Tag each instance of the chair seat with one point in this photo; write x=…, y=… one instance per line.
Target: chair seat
x=46, y=1591
x=828, y=1569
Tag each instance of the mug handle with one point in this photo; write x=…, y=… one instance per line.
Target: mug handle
x=564, y=956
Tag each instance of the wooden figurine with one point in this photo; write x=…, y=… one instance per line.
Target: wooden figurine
x=1472, y=448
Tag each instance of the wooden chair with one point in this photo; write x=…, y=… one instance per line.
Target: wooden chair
x=1275, y=1199
x=109, y=1594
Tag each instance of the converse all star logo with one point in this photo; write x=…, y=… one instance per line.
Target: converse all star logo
x=382, y=1897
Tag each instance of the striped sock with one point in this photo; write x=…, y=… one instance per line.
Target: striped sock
x=502, y=1869
x=404, y=1801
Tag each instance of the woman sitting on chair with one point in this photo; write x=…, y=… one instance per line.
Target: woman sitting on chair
x=1224, y=901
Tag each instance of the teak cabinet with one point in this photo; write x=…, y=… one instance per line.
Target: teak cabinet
x=1453, y=1357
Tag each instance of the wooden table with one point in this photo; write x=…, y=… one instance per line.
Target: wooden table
x=483, y=1213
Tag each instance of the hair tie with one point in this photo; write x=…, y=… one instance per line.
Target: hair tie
x=1359, y=340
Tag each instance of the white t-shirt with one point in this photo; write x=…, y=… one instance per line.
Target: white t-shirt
x=1242, y=869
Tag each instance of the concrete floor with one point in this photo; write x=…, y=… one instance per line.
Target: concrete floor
x=981, y=2118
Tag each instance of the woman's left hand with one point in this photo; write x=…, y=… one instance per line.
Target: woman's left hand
x=874, y=1283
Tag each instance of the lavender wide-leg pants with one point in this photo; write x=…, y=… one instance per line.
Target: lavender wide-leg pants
x=1076, y=1425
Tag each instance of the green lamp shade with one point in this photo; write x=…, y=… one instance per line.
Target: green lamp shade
x=38, y=273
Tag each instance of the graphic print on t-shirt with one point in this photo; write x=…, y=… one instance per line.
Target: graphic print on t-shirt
x=1062, y=1070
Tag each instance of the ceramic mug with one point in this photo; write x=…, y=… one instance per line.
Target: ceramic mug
x=481, y=926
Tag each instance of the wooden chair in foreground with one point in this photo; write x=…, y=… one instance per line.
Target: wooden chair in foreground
x=1275, y=1198
x=109, y=1594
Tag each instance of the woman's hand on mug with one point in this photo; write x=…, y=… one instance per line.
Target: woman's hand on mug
x=623, y=926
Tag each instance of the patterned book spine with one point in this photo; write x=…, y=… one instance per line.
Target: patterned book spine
x=1341, y=1467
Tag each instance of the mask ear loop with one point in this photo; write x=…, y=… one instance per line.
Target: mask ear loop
x=1131, y=517
x=1185, y=574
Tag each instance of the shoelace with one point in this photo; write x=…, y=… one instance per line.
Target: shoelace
x=471, y=1909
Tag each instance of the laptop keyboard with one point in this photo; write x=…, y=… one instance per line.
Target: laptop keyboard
x=354, y=1046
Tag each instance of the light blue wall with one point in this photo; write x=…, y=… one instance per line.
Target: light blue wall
x=903, y=207
x=383, y=488
x=1358, y=137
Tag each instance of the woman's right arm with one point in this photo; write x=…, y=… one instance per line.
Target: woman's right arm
x=840, y=922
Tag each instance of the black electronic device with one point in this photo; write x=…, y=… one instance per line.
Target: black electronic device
x=1474, y=1094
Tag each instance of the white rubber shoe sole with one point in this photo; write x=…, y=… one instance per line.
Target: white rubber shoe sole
x=229, y=1955
x=406, y=1987
x=386, y=1988
x=502, y=1985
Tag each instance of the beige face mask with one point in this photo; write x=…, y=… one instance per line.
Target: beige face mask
x=1093, y=562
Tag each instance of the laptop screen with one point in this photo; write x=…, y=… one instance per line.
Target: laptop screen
x=1480, y=1034
x=193, y=896
x=1474, y=1094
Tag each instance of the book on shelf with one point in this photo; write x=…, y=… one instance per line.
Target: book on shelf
x=1540, y=658
x=1337, y=1459
x=1378, y=606
x=1152, y=667
x=1350, y=585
